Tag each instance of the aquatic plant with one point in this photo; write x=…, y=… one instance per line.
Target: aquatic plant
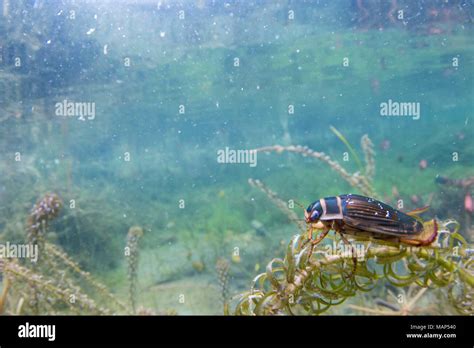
x=222, y=270
x=82, y=231
x=361, y=180
x=132, y=252
x=369, y=153
x=43, y=211
x=55, y=283
x=100, y=288
x=277, y=201
x=403, y=303
x=50, y=292
x=310, y=281
x=462, y=294
x=6, y=286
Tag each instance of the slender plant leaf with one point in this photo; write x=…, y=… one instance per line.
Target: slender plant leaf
x=349, y=147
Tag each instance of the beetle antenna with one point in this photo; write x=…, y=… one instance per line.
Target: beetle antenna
x=299, y=204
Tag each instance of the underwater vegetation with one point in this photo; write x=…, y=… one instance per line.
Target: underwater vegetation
x=311, y=282
x=361, y=180
x=302, y=281
x=307, y=279
x=311, y=279
x=222, y=270
x=393, y=306
x=295, y=62
x=55, y=283
x=132, y=252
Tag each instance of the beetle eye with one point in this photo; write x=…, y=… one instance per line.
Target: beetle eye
x=314, y=215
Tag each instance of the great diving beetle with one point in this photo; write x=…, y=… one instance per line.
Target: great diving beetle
x=362, y=216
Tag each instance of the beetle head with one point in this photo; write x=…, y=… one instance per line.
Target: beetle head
x=313, y=213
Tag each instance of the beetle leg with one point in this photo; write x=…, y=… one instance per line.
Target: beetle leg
x=315, y=241
x=414, y=242
x=309, y=230
x=320, y=237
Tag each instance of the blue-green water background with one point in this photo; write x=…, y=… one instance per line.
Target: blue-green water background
x=78, y=51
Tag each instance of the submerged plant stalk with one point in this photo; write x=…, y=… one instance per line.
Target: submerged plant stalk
x=132, y=253
x=311, y=281
x=349, y=147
